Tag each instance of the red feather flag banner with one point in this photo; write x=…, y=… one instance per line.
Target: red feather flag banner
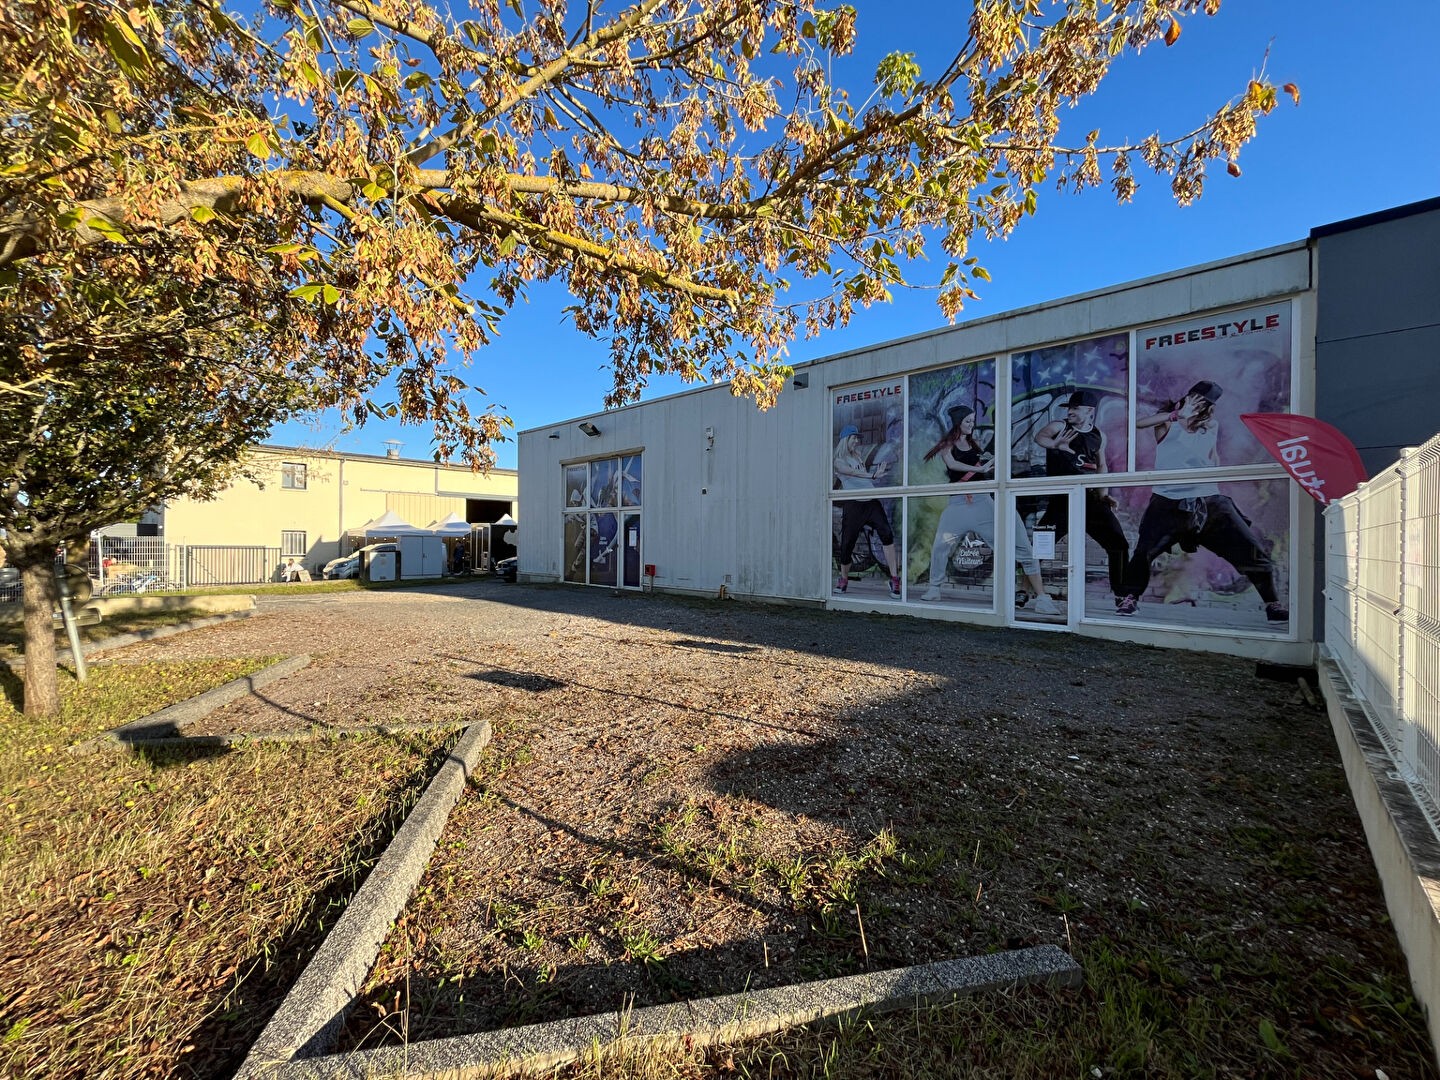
x=1321, y=459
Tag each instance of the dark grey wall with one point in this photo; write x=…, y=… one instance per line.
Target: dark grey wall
x=1377, y=339
x=1377, y=334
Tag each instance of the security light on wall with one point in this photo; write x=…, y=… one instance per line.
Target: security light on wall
x=589, y=429
x=554, y=434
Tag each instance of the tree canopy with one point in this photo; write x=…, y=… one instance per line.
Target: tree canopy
x=134, y=390
x=393, y=175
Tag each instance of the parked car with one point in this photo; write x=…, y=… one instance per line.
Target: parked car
x=340, y=569
x=333, y=563
x=507, y=569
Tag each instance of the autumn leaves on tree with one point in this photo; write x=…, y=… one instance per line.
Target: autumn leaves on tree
x=401, y=174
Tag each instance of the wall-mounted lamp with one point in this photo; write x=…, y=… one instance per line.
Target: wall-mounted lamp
x=554, y=434
x=802, y=380
x=589, y=429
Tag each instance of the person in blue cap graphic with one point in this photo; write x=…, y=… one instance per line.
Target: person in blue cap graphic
x=853, y=473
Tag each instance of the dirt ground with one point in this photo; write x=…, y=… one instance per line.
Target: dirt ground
x=687, y=798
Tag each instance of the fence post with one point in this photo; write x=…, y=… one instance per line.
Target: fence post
x=1409, y=740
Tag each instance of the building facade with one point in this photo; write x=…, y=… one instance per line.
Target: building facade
x=1080, y=465
x=308, y=502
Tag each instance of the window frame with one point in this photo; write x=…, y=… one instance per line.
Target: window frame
x=288, y=476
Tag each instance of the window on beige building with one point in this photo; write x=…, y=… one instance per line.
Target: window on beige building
x=292, y=476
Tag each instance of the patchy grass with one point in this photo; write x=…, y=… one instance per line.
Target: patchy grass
x=1146, y=1025
x=158, y=906
x=12, y=638
x=301, y=588
x=722, y=802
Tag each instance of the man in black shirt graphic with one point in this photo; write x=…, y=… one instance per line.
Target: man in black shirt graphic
x=1076, y=447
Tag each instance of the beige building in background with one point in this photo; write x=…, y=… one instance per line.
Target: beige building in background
x=307, y=502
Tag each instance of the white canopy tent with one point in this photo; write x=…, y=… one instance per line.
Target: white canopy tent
x=450, y=526
x=422, y=554
x=388, y=525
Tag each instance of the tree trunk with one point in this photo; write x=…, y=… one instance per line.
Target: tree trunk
x=37, y=579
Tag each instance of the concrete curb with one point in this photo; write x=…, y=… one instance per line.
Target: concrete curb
x=119, y=641
x=170, y=722
x=701, y=1022
x=127, y=603
x=294, y=735
x=1400, y=834
x=310, y=1017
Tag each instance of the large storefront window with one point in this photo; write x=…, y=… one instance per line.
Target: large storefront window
x=1069, y=408
x=602, y=543
x=867, y=437
x=1198, y=377
x=1202, y=555
x=1114, y=472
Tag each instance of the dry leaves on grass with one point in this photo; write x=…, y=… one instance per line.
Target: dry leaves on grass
x=160, y=903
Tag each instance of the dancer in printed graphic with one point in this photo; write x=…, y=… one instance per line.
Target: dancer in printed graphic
x=853, y=473
x=1195, y=515
x=1076, y=447
x=964, y=460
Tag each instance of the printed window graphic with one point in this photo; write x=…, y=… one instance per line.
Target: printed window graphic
x=1068, y=411
x=867, y=440
x=600, y=545
x=1211, y=555
x=923, y=470
x=951, y=549
x=941, y=404
x=1193, y=380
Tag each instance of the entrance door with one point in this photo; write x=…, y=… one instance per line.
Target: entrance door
x=630, y=530
x=1040, y=547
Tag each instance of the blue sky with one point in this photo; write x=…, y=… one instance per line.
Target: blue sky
x=1365, y=137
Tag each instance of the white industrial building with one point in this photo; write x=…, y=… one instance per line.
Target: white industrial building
x=947, y=442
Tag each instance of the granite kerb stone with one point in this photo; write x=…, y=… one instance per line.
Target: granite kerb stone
x=312, y=733
x=309, y=1019
x=172, y=720
x=120, y=641
x=701, y=1022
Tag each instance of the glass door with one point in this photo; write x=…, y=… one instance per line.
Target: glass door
x=1040, y=549
x=631, y=532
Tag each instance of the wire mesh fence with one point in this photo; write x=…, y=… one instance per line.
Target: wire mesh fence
x=1382, y=608
x=130, y=564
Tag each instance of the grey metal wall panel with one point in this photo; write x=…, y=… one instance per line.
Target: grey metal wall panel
x=1377, y=348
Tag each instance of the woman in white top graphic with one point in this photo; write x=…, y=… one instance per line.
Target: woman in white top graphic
x=1195, y=515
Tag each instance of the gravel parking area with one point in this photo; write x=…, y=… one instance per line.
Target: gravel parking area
x=691, y=797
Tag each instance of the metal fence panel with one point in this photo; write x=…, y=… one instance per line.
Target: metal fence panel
x=126, y=564
x=1342, y=548
x=212, y=564
x=137, y=564
x=1420, y=611
x=1382, y=608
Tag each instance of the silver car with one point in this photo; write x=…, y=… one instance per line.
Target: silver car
x=339, y=569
